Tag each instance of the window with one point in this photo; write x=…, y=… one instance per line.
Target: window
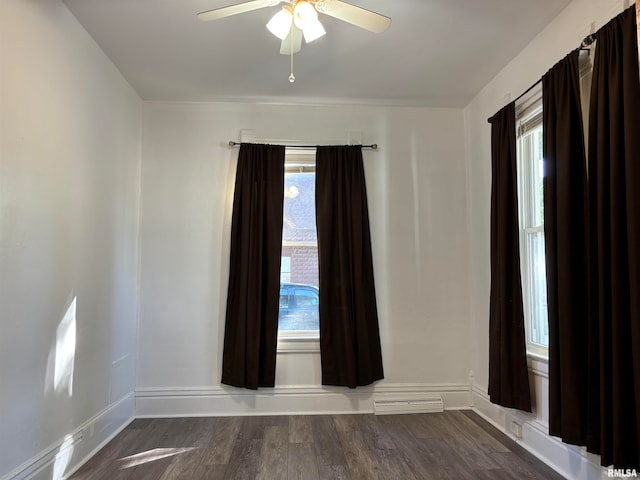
x=531, y=219
x=531, y=208
x=298, y=317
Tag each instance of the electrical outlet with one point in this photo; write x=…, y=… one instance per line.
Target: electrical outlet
x=516, y=429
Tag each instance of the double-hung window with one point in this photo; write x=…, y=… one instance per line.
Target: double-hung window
x=531, y=210
x=298, y=318
x=531, y=219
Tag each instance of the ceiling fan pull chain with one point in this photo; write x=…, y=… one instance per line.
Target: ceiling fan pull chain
x=292, y=77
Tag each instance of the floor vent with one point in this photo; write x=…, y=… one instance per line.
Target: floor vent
x=414, y=405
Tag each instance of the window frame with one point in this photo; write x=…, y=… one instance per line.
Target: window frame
x=528, y=123
x=302, y=341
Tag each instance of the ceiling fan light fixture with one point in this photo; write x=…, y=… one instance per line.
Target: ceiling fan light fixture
x=312, y=31
x=304, y=14
x=280, y=23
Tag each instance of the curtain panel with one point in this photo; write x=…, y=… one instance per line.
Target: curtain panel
x=508, y=373
x=614, y=245
x=349, y=334
x=638, y=28
x=251, y=325
x=565, y=230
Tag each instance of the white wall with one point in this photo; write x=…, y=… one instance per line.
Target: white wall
x=561, y=36
x=69, y=189
x=417, y=200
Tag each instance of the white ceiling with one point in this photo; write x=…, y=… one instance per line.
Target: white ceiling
x=436, y=53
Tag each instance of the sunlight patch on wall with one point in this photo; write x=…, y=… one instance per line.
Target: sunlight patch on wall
x=63, y=457
x=65, y=351
x=60, y=366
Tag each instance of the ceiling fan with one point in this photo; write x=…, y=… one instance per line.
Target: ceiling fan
x=299, y=18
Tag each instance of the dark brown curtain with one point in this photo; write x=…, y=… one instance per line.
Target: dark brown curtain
x=508, y=372
x=565, y=230
x=251, y=326
x=614, y=238
x=349, y=336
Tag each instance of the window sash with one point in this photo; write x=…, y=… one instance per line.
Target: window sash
x=531, y=217
x=536, y=305
x=299, y=341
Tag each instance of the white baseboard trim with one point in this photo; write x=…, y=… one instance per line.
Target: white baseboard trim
x=61, y=459
x=290, y=400
x=572, y=462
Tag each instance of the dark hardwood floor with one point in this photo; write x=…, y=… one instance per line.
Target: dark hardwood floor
x=451, y=445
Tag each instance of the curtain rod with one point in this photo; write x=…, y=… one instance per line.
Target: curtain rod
x=373, y=146
x=586, y=43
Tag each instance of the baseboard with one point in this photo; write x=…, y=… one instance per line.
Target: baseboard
x=291, y=400
x=61, y=459
x=572, y=462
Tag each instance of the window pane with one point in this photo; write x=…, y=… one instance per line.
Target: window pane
x=301, y=312
x=284, y=298
x=537, y=171
x=285, y=269
x=299, y=208
x=306, y=297
x=299, y=274
x=538, y=322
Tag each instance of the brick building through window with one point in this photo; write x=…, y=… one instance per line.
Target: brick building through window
x=299, y=236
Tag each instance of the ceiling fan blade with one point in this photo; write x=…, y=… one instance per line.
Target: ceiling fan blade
x=360, y=17
x=285, y=46
x=223, y=12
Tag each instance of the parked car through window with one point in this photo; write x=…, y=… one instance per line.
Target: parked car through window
x=298, y=307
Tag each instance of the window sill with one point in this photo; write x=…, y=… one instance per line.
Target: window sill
x=538, y=357
x=538, y=364
x=299, y=343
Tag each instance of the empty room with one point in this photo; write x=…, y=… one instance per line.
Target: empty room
x=317, y=239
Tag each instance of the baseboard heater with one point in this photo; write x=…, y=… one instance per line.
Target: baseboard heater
x=413, y=405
